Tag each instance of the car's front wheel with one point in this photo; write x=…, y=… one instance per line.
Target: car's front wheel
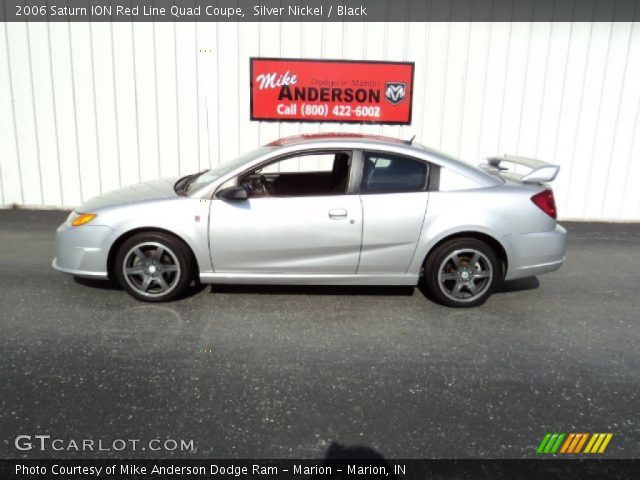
x=462, y=272
x=154, y=267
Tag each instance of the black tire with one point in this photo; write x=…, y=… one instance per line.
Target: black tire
x=158, y=257
x=454, y=289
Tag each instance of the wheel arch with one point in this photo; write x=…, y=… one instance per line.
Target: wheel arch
x=493, y=243
x=115, y=246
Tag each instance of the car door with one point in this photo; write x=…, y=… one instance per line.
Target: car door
x=394, y=195
x=311, y=225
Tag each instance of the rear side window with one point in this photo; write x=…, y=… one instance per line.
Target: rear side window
x=385, y=173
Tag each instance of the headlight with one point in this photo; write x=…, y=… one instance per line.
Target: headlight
x=77, y=219
x=72, y=216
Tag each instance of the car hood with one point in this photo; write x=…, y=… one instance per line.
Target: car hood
x=153, y=189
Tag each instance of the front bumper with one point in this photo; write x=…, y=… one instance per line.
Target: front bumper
x=83, y=251
x=535, y=253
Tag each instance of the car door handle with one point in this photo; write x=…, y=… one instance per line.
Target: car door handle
x=337, y=213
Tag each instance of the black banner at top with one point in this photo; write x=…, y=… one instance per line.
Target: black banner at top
x=319, y=10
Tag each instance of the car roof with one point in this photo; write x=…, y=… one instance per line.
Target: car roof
x=375, y=140
x=315, y=137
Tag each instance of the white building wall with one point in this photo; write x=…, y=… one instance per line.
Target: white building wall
x=87, y=108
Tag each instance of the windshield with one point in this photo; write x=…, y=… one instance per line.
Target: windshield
x=211, y=175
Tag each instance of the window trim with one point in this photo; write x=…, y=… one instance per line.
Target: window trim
x=426, y=187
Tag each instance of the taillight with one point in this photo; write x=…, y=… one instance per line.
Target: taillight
x=545, y=201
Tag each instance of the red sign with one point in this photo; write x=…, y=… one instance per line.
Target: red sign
x=300, y=90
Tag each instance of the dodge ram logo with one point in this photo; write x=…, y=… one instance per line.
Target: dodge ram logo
x=395, y=92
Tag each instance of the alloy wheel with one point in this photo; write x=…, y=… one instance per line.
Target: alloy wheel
x=465, y=275
x=151, y=269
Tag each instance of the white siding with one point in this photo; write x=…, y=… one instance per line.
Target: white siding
x=86, y=108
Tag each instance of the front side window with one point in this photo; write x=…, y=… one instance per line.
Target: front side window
x=215, y=173
x=387, y=173
x=301, y=175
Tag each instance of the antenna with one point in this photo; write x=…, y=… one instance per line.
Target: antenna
x=410, y=141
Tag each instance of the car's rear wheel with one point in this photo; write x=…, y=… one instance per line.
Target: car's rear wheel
x=462, y=272
x=154, y=267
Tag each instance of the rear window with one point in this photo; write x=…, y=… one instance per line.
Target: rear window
x=385, y=173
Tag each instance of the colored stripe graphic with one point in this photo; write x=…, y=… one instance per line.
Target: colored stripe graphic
x=566, y=445
x=581, y=443
x=594, y=437
x=598, y=443
x=556, y=446
x=574, y=443
x=550, y=443
x=606, y=441
x=543, y=443
x=553, y=443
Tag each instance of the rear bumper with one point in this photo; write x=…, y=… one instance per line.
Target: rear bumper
x=83, y=251
x=535, y=253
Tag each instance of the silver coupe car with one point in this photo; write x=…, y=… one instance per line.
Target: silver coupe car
x=330, y=209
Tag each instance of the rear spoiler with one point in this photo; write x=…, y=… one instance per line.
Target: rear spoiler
x=541, y=172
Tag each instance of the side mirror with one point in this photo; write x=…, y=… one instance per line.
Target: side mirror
x=233, y=193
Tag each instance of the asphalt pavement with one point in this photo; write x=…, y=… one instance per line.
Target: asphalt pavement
x=287, y=372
